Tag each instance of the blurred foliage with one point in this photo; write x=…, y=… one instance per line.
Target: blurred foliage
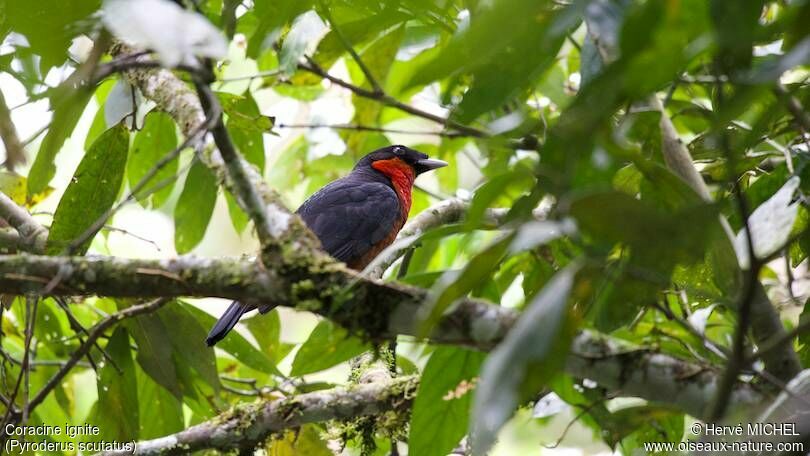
x=649, y=261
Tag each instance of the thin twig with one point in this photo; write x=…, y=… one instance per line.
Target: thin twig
x=350, y=49
x=15, y=154
x=30, y=316
x=95, y=332
x=355, y=127
x=244, y=188
x=737, y=358
x=388, y=100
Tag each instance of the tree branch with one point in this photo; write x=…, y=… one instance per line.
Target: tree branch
x=247, y=425
x=443, y=213
x=32, y=235
x=266, y=231
x=614, y=365
x=312, y=67
x=178, y=100
x=94, y=333
x=15, y=155
x=375, y=310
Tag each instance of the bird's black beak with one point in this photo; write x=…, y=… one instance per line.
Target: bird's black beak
x=427, y=164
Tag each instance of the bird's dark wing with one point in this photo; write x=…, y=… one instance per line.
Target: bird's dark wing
x=350, y=217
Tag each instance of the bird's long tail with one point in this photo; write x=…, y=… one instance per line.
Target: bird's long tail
x=227, y=321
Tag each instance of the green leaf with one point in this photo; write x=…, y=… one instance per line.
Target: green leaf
x=194, y=207
x=239, y=219
x=304, y=441
x=267, y=331
x=356, y=31
x=735, y=25
x=67, y=110
x=490, y=34
x=378, y=58
x=152, y=338
x=157, y=139
x=160, y=412
x=243, y=114
x=515, y=68
x=327, y=346
x=236, y=344
x=271, y=15
x=185, y=328
x=49, y=26
x=455, y=284
x=305, y=32
x=613, y=217
x=539, y=339
x=92, y=191
x=442, y=407
x=247, y=126
x=117, y=410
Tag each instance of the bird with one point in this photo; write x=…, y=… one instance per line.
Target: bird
x=355, y=217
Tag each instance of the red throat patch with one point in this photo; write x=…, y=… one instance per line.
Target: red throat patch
x=402, y=177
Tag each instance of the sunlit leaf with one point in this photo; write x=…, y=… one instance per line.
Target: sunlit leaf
x=442, y=406
x=194, y=207
x=91, y=192
x=118, y=397
x=327, y=346
x=156, y=140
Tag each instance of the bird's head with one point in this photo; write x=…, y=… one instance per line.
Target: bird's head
x=398, y=160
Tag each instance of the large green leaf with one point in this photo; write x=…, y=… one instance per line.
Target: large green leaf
x=516, y=67
x=194, y=207
x=735, y=25
x=117, y=410
x=378, y=58
x=531, y=353
x=442, y=407
x=492, y=31
x=67, y=109
x=327, y=346
x=246, y=125
x=154, y=354
x=197, y=356
x=161, y=413
x=267, y=331
x=455, y=284
x=613, y=217
x=157, y=139
x=91, y=192
x=49, y=26
x=271, y=15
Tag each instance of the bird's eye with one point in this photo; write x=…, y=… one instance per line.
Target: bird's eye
x=399, y=150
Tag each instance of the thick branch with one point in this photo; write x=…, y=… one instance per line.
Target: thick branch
x=173, y=96
x=248, y=425
x=373, y=309
x=625, y=369
x=33, y=235
x=443, y=213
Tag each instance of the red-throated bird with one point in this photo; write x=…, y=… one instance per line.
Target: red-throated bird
x=356, y=216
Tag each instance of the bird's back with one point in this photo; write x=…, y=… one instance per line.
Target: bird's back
x=354, y=218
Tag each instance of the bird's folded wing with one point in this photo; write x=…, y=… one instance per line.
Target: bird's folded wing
x=351, y=218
